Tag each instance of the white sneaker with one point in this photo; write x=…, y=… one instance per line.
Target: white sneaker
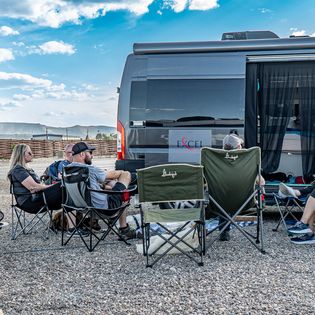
x=287, y=191
x=282, y=195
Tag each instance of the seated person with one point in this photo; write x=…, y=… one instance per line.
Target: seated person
x=233, y=142
x=68, y=159
x=119, y=181
x=27, y=183
x=286, y=191
x=304, y=229
x=53, y=172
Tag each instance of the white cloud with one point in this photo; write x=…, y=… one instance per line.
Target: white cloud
x=298, y=33
x=18, y=44
x=175, y=5
x=38, y=88
x=23, y=81
x=203, y=4
x=8, y=105
x=54, y=47
x=312, y=35
x=58, y=113
x=181, y=5
x=6, y=31
x=264, y=10
x=21, y=97
x=55, y=13
x=47, y=48
x=6, y=54
x=90, y=87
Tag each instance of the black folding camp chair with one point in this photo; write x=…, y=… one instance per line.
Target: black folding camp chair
x=232, y=177
x=2, y=224
x=24, y=222
x=78, y=208
x=287, y=208
x=170, y=183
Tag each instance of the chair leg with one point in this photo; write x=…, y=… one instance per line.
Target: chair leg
x=21, y=225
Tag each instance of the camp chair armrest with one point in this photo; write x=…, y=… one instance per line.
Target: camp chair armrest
x=136, y=200
x=114, y=210
x=111, y=192
x=28, y=193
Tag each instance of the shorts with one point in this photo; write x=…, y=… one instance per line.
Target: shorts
x=53, y=195
x=115, y=200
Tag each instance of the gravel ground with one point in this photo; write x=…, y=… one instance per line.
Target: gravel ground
x=41, y=277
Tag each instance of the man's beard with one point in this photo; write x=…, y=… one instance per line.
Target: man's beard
x=87, y=160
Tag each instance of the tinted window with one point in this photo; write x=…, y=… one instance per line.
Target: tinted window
x=174, y=99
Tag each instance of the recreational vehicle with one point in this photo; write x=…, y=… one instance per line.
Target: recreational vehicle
x=178, y=97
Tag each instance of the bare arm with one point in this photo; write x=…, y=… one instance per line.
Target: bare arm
x=32, y=186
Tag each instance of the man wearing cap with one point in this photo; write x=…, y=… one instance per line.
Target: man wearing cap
x=82, y=155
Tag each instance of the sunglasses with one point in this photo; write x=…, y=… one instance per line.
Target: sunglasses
x=29, y=153
x=90, y=151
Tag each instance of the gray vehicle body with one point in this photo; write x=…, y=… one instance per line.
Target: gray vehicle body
x=177, y=97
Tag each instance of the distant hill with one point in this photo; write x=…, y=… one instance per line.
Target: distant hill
x=25, y=131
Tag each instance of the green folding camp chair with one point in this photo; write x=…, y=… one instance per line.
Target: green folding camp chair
x=170, y=183
x=232, y=178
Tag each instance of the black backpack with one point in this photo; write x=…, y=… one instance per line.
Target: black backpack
x=51, y=173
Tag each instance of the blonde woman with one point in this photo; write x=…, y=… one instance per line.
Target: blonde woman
x=26, y=183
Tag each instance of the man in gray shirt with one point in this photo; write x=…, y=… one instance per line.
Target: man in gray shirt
x=119, y=181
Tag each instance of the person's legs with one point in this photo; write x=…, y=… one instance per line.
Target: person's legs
x=53, y=195
x=308, y=216
x=225, y=235
x=306, y=224
x=125, y=178
x=114, y=201
x=33, y=205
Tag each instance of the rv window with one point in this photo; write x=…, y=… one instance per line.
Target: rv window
x=138, y=97
x=174, y=99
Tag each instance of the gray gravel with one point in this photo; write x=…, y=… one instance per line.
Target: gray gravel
x=41, y=277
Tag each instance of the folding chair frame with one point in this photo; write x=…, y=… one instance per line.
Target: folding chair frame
x=200, y=227
x=91, y=213
x=172, y=238
x=231, y=220
x=22, y=225
x=285, y=208
x=108, y=216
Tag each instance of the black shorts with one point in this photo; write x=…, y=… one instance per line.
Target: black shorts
x=115, y=200
x=53, y=195
x=313, y=193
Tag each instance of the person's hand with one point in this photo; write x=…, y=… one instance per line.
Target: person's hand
x=38, y=188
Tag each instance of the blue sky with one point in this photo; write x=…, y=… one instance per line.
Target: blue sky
x=61, y=61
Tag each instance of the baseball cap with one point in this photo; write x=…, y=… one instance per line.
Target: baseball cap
x=231, y=142
x=81, y=147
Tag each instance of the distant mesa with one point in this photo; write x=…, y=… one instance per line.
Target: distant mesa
x=26, y=131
